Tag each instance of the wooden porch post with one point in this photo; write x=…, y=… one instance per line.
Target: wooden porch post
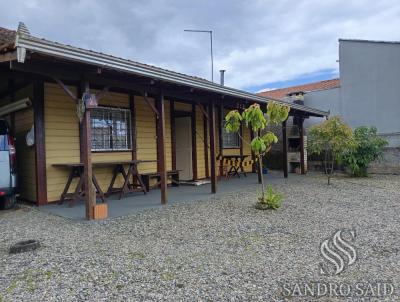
x=90, y=195
x=161, y=156
x=194, y=144
x=212, y=146
x=284, y=150
x=301, y=134
x=40, y=151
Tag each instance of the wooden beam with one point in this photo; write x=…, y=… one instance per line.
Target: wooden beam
x=40, y=151
x=66, y=89
x=194, y=144
x=173, y=134
x=161, y=156
x=205, y=114
x=156, y=112
x=301, y=134
x=284, y=149
x=8, y=56
x=205, y=131
x=212, y=147
x=133, y=125
x=90, y=194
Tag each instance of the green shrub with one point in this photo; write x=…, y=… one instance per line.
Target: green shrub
x=369, y=148
x=332, y=139
x=269, y=200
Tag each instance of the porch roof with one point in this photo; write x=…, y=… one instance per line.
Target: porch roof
x=25, y=43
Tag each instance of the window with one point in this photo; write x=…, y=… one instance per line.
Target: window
x=111, y=129
x=230, y=140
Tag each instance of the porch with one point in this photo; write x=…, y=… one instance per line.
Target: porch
x=137, y=202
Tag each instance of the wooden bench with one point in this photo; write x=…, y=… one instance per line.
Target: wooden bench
x=173, y=175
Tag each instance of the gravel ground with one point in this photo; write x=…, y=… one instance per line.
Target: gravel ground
x=221, y=249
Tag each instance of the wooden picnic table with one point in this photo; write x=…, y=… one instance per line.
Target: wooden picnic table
x=235, y=170
x=77, y=171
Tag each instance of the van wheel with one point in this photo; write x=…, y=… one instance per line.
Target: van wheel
x=8, y=202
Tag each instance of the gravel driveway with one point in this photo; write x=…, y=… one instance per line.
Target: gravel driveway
x=221, y=249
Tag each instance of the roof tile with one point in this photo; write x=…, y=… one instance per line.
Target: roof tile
x=283, y=92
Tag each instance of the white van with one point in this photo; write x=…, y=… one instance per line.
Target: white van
x=8, y=173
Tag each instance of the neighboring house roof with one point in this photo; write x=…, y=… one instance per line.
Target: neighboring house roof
x=283, y=92
x=25, y=42
x=7, y=38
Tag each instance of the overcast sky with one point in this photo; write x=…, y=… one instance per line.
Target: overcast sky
x=261, y=44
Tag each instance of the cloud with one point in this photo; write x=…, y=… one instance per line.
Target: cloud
x=257, y=42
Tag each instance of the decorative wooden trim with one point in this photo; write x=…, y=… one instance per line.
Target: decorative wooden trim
x=205, y=114
x=212, y=147
x=194, y=144
x=173, y=134
x=66, y=89
x=301, y=133
x=206, y=145
x=161, y=147
x=285, y=148
x=133, y=125
x=40, y=149
x=156, y=112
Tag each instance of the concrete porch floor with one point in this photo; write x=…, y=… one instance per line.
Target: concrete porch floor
x=136, y=202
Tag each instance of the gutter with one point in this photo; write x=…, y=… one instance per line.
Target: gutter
x=26, y=42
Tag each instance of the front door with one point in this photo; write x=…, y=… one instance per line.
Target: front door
x=183, y=133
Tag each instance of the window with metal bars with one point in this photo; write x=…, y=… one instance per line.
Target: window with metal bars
x=230, y=140
x=111, y=129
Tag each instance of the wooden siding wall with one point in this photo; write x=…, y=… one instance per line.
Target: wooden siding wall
x=61, y=136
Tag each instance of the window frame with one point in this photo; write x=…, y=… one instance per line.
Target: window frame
x=224, y=146
x=129, y=130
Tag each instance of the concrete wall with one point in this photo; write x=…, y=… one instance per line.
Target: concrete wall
x=370, y=82
x=328, y=100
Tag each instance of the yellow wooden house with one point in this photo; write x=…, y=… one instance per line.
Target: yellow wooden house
x=172, y=120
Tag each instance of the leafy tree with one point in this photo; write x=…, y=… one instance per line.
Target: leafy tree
x=369, y=148
x=255, y=119
x=333, y=139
